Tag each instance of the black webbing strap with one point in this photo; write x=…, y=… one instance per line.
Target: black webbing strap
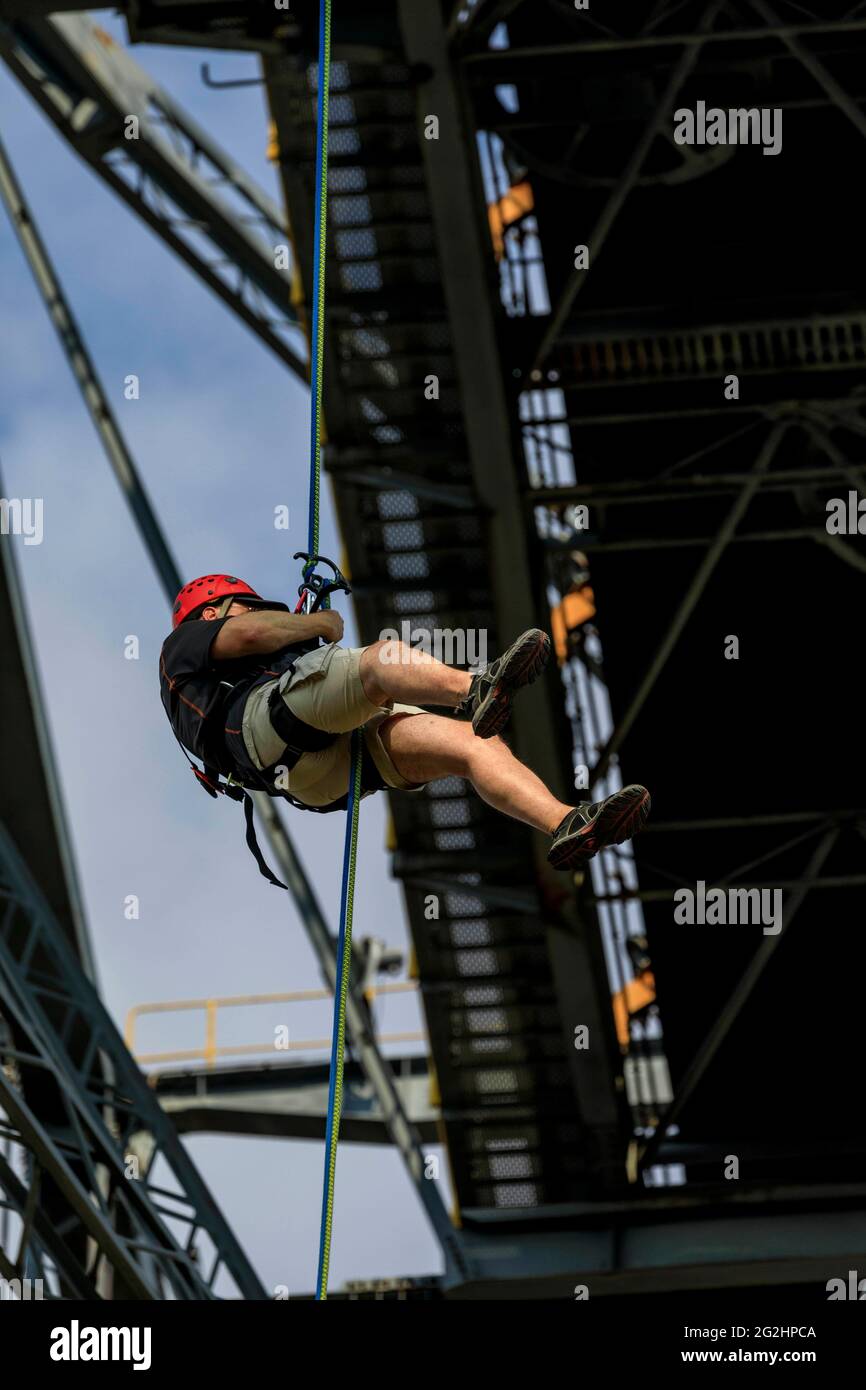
x=209, y=781
x=238, y=794
x=298, y=737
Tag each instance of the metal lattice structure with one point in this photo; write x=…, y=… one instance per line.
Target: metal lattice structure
x=165, y=167
x=695, y=499
x=437, y=537
x=154, y=1223
x=596, y=385
x=79, y=42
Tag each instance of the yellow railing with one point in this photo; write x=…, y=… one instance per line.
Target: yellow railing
x=210, y=1007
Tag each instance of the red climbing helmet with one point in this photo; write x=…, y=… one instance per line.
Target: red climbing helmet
x=212, y=588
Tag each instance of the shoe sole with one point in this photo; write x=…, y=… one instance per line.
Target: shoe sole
x=527, y=659
x=623, y=815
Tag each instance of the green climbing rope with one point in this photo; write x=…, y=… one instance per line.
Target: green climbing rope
x=350, y=852
x=338, y=1039
x=317, y=344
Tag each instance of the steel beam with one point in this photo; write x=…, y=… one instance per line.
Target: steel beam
x=774, y=1238
x=813, y=65
x=45, y=1239
x=466, y=280
x=173, y=175
x=661, y=895
x=376, y=1068
x=747, y=1241
x=462, y=237
x=843, y=550
x=291, y=1102
x=96, y=401
x=85, y=373
x=677, y=827
x=853, y=471
x=803, y=533
x=385, y=479
x=690, y=600
x=27, y=756
x=47, y=1157
x=637, y=492
x=512, y=898
x=532, y=53
x=627, y=179
x=768, y=411
x=38, y=973
x=36, y=9
x=731, y=1010
x=508, y=127
x=481, y=20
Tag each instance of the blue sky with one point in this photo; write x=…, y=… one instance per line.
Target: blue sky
x=219, y=435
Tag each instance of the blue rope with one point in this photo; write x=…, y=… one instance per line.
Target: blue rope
x=317, y=343
x=344, y=943
x=338, y=1036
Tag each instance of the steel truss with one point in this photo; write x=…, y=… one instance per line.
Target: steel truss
x=632, y=354
x=672, y=485
x=172, y=173
x=828, y=829
x=644, y=366
x=484, y=16
x=409, y=293
x=378, y=1072
x=153, y=1221
x=471, y=46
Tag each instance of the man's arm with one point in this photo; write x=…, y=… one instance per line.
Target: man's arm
x=270, y=630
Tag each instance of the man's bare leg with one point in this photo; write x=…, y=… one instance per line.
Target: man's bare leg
x=392, y=671
x=424, y=747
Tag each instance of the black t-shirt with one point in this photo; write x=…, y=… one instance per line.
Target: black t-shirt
x=197, y=690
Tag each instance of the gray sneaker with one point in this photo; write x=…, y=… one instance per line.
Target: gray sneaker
x=492, y=690
x=592, y=826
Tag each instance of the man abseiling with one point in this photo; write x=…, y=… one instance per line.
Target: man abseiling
x=271, y=698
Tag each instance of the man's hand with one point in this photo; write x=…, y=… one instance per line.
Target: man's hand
x=331, y=624
x=252, y=634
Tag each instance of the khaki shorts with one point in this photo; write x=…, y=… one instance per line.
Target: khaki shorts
x=325, y=690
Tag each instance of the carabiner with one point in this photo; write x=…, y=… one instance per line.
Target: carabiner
x=314, y=588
